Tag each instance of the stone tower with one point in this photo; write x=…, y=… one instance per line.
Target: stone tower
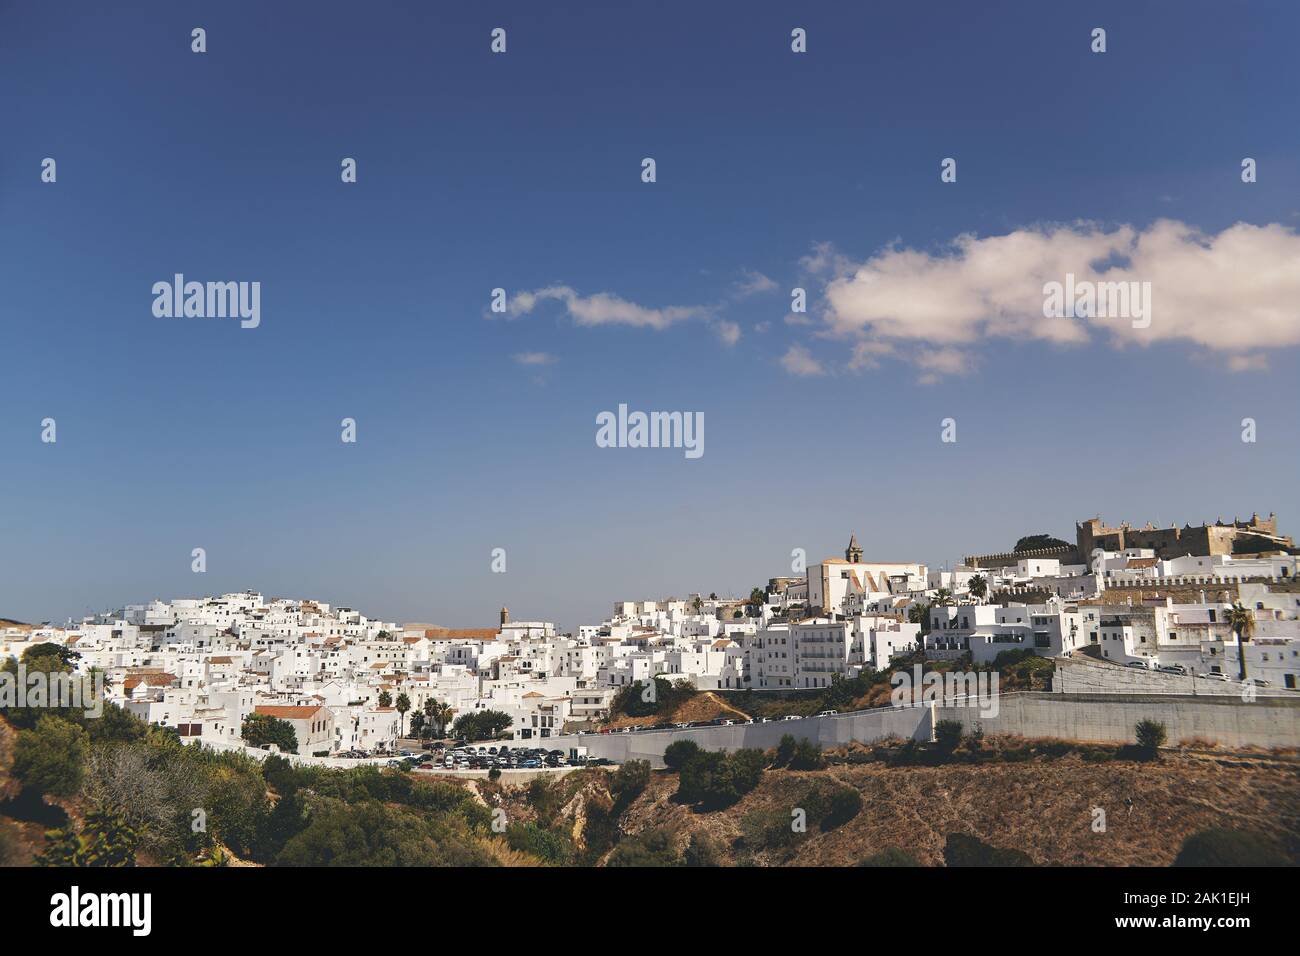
x=505, y=616
x=853, y=554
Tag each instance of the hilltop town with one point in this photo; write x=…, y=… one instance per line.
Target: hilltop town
x=1181, y=611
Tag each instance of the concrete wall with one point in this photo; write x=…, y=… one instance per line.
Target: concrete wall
x=1267, y=722
x=1083, y=675
x=865, y=726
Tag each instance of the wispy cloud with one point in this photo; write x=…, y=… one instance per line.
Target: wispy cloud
x=603, y=308
x=535, y=358
x=728, y=332
x=752, y=283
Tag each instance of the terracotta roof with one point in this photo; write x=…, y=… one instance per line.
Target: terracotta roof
x=462, y=634
x=287, y=713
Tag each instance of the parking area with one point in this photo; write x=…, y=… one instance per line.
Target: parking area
x=488, y=757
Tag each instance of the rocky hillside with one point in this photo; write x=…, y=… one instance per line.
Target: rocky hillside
x=1045, y=807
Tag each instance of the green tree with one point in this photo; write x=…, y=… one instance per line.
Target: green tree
x=714, y=780
x=1033, y=542
x=678, y=752
x=385, y=699
x=403, y=705
x=417, y=725
x=979, y=587
x=944, y=598
x=51, y=758
x=262, y=730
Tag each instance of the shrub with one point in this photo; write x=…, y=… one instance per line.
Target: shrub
x=1151, y=737
x=703, y=849
x=1219, y=847
x=106, y=839
x=549, y=846
x=798, y=755
x=628, y=782
x=51, y=758
x=715, y=780
x=650, y=848
x=830, y=804
x=807, y=756
x=771, y=829
x=947, y=735
x=890, y=857
x=545, y=798
x=680, y=751
x=962, y=849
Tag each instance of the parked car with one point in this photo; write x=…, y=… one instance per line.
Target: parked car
x=1172, y=669
x=1215, y=675
x=791, y=717
x=828, y=713
x=1140, y=664
x=1258, y=682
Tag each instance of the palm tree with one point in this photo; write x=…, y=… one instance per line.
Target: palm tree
x=979, y=586
x=439, y=713
x=403, y=705
x=1242, y=621
x=385, y=699
x=943, y=598
x=430, y=713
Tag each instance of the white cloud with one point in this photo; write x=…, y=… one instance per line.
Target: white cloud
x=799, y=361
x=603, y=308
x=535, y=358
x=1233, y=292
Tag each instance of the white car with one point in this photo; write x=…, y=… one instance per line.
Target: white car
x=1215, y=676
x=828, y=713
x=791, y=717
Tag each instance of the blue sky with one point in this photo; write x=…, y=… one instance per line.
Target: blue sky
x=522, y=171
